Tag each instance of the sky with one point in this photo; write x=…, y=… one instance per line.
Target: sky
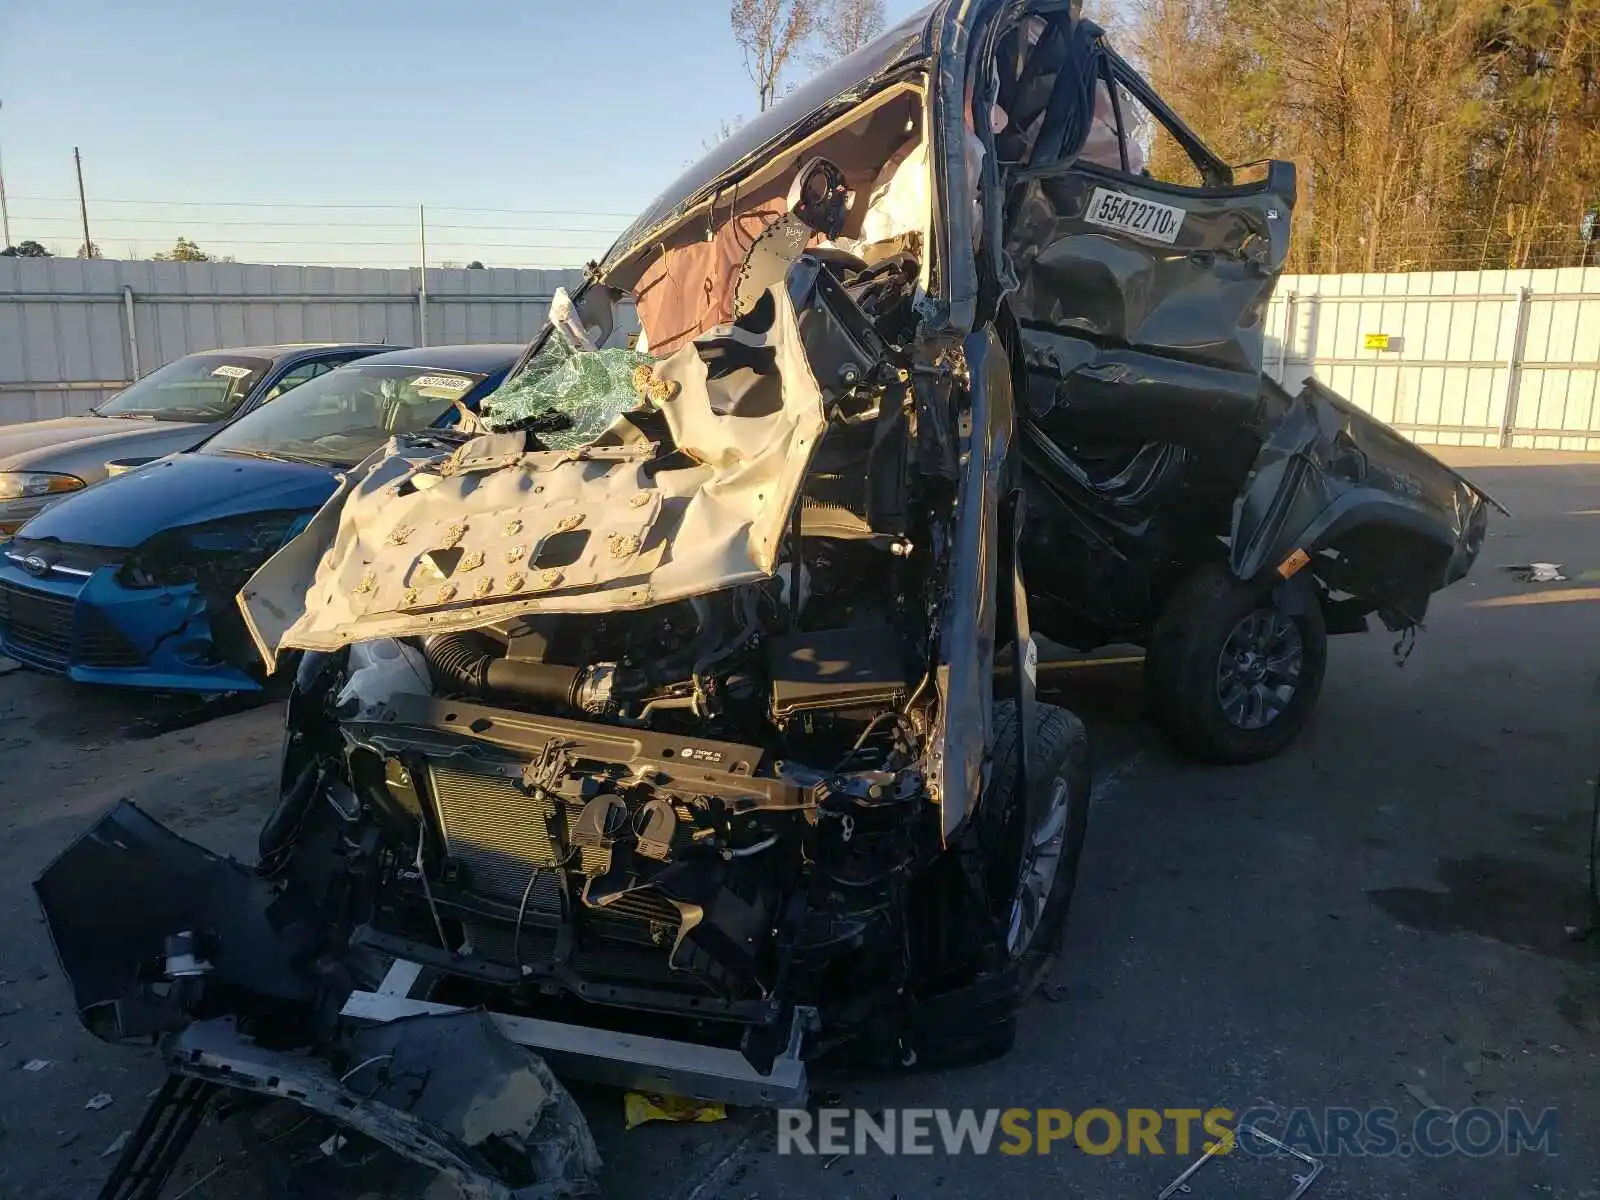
x=296, y=131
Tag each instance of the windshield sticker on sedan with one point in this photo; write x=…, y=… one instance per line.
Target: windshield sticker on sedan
x=233, y=372
x=442, y=387
x=1129, y=214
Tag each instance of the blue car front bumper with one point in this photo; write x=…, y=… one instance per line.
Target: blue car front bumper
x=92, y=629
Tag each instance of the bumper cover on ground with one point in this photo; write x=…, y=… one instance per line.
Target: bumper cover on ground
x=200, y=949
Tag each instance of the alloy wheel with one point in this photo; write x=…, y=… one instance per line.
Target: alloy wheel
x=1259, y=668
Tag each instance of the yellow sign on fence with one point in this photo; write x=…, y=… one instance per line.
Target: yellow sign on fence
x=1375, y=341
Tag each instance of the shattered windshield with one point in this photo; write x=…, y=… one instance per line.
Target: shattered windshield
x=202, y=387
x=341, y=417
x=567, y=396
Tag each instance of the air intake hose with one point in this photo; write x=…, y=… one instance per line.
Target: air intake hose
x=467, y=662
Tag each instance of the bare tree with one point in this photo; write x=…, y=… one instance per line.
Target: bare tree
x=1431, y=135
x=843, y=27
x=770, y=33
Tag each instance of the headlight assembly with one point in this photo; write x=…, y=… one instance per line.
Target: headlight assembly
x=216, y=554
x=20, y=485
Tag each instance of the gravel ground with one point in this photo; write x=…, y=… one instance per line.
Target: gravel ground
x=1381, y=918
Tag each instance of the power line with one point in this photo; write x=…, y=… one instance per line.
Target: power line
x=188, y=223
x=540, y=228
x=518, y=245
x=554, y=212
x=549, y=212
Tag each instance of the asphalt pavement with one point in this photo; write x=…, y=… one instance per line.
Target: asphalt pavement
x=1386, y=919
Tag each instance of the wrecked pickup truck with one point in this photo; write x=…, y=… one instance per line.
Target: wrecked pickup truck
x=661, y=716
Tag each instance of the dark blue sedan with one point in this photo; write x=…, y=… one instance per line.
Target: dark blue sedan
x=132, y=581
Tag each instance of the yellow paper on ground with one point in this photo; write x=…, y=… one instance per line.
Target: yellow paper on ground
x=639, y=1107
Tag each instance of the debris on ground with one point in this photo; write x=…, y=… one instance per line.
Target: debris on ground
x=118, y=1145
x=640, y=1107
x=36, y=1064
x=98, y=1101
x=1420, y=1096
x=169, y=715
x=1302, y=1180
x=1538, y=572
x=447, y=1091
x=461, y=1078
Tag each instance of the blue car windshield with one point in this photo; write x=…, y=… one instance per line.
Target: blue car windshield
x=201, y=387
x=339, y=418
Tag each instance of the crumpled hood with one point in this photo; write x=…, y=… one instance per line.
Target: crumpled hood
x=29, y=446
x=186, y=489
x=414, y=544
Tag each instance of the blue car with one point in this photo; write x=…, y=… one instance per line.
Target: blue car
x=132, y=581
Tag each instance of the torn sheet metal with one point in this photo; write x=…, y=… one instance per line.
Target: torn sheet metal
x=458, y=1073
x=491, y=531
x=449, y=1093
x=1327, y=467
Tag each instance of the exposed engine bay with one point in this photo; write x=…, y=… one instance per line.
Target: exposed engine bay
x=666, y=800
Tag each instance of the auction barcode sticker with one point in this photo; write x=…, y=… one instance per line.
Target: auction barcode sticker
x=1129, y=214
x=228, y=370
x=444, y=385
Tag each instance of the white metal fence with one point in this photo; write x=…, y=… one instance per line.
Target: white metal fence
x=1460, y=358
x=73, y=331
x=1492, y=358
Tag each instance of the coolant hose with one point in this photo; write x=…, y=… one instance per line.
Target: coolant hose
x=466, y=662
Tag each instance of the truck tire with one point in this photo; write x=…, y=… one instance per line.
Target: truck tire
x=1231, y=674
x=1031, y=877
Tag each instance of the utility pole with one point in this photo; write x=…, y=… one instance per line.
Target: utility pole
x=422, y=291
x=83, y=205
x=5, y=215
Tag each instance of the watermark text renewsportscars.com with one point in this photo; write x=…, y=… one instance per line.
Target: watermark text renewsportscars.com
x=1352, y=1132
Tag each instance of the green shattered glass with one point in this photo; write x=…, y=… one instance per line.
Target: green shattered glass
x=592, y=388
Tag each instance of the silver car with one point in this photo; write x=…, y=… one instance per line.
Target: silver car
x=172, y=409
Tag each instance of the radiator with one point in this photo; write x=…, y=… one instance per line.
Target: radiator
x=500, y=834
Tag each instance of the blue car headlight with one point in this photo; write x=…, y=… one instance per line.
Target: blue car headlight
x=217, y=555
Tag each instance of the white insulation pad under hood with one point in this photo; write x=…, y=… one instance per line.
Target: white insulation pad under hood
x=413, y=544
